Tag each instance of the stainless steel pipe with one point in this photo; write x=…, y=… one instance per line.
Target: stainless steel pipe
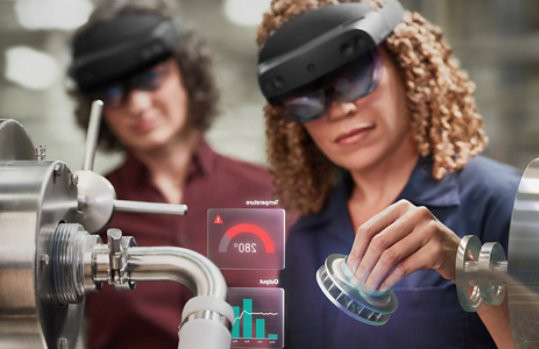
x=206, y=319
x=176, y=264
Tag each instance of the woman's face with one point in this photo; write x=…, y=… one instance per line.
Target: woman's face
x=361, y=134
x=149, y=119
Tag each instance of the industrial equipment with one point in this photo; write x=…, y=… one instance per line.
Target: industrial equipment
x=49, y=260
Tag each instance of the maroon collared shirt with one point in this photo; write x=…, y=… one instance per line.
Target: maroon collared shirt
x=149, y=316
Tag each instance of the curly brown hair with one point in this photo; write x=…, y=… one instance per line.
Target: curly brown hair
x=444, y=119
x=191, y=55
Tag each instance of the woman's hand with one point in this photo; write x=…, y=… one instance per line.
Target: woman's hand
x=399, y=240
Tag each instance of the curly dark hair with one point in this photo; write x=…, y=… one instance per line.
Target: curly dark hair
x=444, y=119
x=191, y=55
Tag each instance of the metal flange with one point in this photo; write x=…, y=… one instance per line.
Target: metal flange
x=480, y=273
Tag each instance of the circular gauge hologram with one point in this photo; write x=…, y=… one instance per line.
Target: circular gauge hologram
x=248, y=238
x=246, y=228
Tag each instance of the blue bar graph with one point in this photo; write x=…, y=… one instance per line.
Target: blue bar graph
x=247, y=318
x=260, y=328
x=236, y=327
x=244, y=319
x=258, y=322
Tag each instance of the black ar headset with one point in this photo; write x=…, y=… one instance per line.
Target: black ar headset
x=317, y=42
x=111, y=49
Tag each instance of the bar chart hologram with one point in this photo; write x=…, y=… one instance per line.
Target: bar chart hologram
x=258, y=317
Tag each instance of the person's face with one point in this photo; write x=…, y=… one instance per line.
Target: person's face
x=153, y=117
x=374, y=128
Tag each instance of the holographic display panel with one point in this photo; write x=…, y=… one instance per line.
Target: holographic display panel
x=259, y=320
x=246, y=238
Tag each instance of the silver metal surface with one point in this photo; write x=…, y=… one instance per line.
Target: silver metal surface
x=118, y=247
x=480, y=273
x=176, y=264
x=34, y=197
x=469, y=248
x=71, y=263
x=149, y=207
x=97, y=202
x=41, y=152
x=15, y=144
x=96, y=197
x=523, y=261
x=492, y=262
x=92, y=135
x=337, y=283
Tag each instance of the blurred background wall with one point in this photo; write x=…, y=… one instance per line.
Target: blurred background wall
x=497, y=42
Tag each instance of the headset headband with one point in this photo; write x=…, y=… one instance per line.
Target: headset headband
x=362, y=27
x=111, y=49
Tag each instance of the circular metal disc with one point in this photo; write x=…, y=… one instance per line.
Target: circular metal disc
x=468, y=250
x=493, y=287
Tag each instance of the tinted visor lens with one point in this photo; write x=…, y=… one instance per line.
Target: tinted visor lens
x=113, y=94
x=148, y=80
x=358, y=79
x=305, y=107
x=347, y=84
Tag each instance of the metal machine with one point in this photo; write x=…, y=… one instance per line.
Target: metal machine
x=49, y=261
x=483, y=273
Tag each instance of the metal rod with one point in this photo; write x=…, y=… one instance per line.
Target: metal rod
x=92, y=134
x=149, y=207
x=176, y=264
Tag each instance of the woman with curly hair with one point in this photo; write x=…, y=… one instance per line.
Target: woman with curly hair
x=374, y=137
x=160, y=96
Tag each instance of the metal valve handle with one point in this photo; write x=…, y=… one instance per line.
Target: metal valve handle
x=96, y=195
x=480, y=273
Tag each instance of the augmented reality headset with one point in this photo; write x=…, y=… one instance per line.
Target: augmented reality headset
x=320, y=41
x=112, y=49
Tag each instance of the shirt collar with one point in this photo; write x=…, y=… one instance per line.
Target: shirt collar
x=203, y=159
x=422, y=190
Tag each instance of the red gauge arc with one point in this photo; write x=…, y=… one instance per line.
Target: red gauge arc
x=246, y=228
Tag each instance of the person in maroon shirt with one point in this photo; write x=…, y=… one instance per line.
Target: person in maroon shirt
x=159, y=97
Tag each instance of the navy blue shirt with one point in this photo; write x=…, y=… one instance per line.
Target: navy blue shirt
x=477, y=200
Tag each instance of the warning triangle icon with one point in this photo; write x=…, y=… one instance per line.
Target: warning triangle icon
x=218, y=220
